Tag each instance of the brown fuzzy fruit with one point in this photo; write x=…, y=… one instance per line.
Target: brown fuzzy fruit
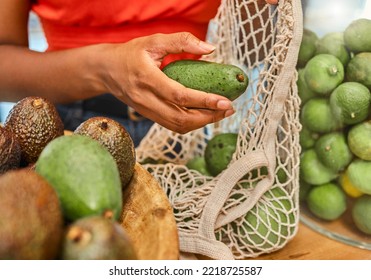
x=35, y=122
x=116, y=139
x=10, y=151
x=31, y=221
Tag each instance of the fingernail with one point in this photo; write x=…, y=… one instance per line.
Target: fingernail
x=207, y=47
x=229, y=113
x=224, y=105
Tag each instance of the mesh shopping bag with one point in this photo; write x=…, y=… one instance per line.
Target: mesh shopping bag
x=252, y=206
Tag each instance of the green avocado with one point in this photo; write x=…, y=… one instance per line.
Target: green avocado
x=223, y=79
x=84, y=175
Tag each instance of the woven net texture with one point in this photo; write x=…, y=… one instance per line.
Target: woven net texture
x=251, y=207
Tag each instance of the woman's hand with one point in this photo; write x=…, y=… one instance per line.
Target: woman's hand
x=136, y=79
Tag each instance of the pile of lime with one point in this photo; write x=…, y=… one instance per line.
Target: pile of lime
x=334, y=83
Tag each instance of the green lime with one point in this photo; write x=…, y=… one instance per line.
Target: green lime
x=307, y=138
x=357, y=35
x=359, y=69
x=317, y=117
x=333, y=43
x=359, y=174
x=350, y=102
x=313, y=171
x=198, y=163
x=361, y=213
x=304, y=189
x=359, y=140
x=304, y=92
x=323, y=73
x=307, y=47
x=333, y=151
x=348, y=187
x=327, y=201
x=219, y=151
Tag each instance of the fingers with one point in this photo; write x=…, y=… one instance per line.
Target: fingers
x=181, y=120
x=181, y=42
x=175, y=93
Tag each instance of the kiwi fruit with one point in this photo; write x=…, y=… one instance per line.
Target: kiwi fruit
x=112, y=135
x=34, y=121
x=97, y=238
x=31, y=221
x=10, y=151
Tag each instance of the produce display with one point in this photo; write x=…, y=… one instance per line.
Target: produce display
x=61, y=197
x=334, y=82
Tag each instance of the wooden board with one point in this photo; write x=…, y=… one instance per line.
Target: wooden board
x=148, y=218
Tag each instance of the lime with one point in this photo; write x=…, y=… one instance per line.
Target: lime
x=317, y=117
x=267, y=226
x=359, y=69
x=307, y=47
x=307, y=138
x=361, y=213
x=333, y=151
x=348, y=187
x=357, y=35
x=359, y=140
x=323, y=73
x=198, y=163
x=312, y=170
x=304, y=92
x=327, y=201
x=333, y=43
x=304, y=188
x=359, y=174
x=350, y=102
x=219, y=151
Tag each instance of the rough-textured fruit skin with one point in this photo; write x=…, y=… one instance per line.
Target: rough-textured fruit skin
x=31, y=221
x=116, y=139
x=84, y=174
x=97, y=238
x=356, y=36
x=323, y=73
x=10, y=151
x=219, y=151
x=359, y=69
x=307, y=47
x=35, y=122
x=350, y=102
x=223, y=79
x=359, y=140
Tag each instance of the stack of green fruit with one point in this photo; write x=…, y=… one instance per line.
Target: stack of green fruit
x=61, y=196
x=334, y=82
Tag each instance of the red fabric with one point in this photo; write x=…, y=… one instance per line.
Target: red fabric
x=75, y=23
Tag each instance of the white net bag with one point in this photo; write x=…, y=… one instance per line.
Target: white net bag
x=252, y=206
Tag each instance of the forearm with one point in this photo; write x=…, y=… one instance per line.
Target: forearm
x=60, y=76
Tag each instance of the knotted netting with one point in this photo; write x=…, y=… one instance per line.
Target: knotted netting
x=252, y=206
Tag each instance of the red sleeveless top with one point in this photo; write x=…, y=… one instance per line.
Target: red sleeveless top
x=75, y=23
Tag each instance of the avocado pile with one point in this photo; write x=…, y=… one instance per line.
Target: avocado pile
x=61, y=195
x=334, y=83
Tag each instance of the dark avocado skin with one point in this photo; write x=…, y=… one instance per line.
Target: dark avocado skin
x=223, y=79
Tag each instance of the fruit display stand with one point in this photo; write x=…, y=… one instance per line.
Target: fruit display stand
x=148, y=218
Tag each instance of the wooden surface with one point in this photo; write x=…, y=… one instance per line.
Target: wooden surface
x=311, y=245
x=148, y=218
